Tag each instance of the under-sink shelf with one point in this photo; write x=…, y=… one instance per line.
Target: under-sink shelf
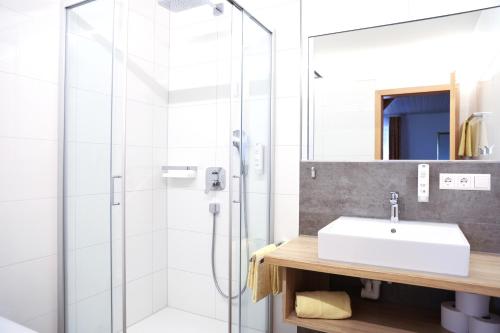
x=304, y=271
x=375, y=318
x=367, y=316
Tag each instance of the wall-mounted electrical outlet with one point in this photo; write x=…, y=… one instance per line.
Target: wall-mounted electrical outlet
x=466, y=182
x=446, y=181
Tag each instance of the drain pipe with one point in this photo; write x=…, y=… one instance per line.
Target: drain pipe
x=371, y=289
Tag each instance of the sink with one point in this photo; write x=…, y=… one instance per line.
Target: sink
x=411, y=245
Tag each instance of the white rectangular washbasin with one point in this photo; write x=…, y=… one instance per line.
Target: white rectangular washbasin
x=419, y=246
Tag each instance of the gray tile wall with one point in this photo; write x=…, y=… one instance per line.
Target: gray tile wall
x=362, y=189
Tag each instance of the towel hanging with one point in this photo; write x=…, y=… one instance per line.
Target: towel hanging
x=263, y=279
x=474, y=137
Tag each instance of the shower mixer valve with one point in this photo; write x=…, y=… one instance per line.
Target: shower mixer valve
x=215, y=179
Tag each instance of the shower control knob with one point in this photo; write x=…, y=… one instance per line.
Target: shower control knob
x=215, y=179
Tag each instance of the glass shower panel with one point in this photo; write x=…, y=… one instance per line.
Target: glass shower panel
x=88, y=165
x=198, y=131
x=255, y=173
x=239, y=251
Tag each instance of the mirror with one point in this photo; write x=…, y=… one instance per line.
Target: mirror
x=419, y=90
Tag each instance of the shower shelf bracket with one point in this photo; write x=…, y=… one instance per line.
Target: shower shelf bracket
x=185, y=172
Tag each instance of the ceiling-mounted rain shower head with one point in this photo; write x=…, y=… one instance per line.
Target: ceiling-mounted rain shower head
x=182, y=5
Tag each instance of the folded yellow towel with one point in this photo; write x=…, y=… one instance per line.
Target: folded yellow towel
x=323, y=305
x=263, y=278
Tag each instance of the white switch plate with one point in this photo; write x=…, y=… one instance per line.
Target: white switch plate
x=482, y=182
x=465, y=182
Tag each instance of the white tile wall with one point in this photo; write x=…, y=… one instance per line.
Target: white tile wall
x=27, y=233
x=24, y=297
x=139, y=256
x=139, y=212
x=139, y=299
x=93, y=314
x=92, y=271
x=146, y=151
x=198, y=133
x=44, y=323
x=19, y=177
x=191, y=292
x=29, y=37
x=182, y=255
x=160, y=290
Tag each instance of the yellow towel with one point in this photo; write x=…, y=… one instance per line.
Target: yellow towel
x=323, y=305
x=263, y=278
x=469, y=138
x=276, y=281
x=463, y=131
x=474, y=132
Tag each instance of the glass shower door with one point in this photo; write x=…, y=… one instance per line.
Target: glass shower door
x=91, y=172
x=252, y=227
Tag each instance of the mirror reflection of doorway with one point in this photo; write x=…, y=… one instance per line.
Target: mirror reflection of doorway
x=443, y=146
x=411, y=124
x=420, y=114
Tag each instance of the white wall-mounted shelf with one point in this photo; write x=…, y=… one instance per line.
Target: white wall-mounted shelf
x=183, y=172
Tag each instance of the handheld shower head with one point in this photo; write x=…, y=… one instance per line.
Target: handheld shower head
x=240, y=142
x=237, y=139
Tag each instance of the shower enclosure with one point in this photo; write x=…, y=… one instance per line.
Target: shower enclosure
x=165, y=165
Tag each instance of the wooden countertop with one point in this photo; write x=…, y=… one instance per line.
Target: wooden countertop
x=302, y=253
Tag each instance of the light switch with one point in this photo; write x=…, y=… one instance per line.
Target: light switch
x=482, y=182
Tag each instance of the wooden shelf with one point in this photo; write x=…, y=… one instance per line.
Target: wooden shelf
x=302, y=253
x=374, y=318
x=367, y=316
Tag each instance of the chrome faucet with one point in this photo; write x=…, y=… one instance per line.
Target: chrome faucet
x=394, y=207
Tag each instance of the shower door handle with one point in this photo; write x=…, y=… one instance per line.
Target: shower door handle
x=113, y=179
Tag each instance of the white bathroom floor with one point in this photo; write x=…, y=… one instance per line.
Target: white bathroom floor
x=171, y=320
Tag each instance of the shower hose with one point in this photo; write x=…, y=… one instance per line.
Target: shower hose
x=247, y=250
